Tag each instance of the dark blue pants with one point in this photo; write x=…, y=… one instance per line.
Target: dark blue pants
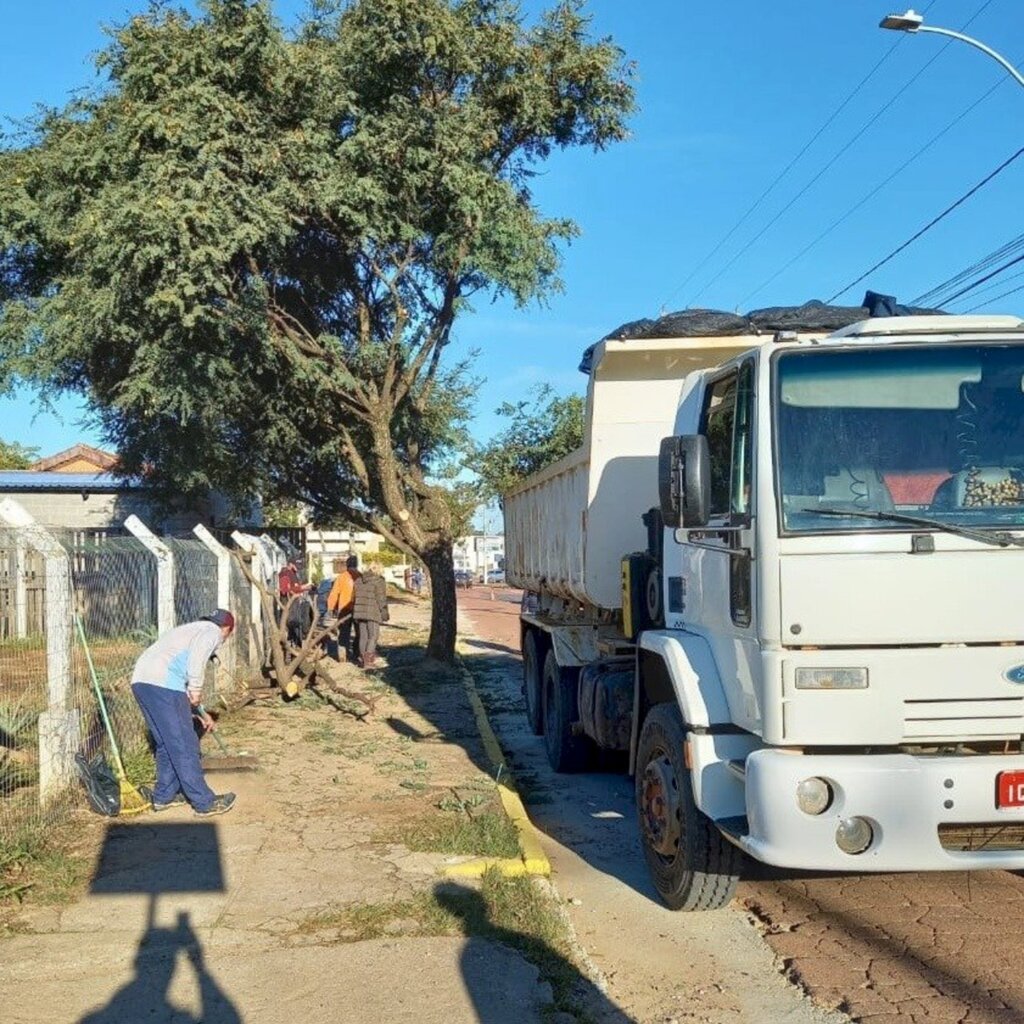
x=178, y=768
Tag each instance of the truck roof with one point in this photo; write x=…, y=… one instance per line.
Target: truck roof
x=884, y=326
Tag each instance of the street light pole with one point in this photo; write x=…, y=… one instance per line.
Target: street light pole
x=911, y=21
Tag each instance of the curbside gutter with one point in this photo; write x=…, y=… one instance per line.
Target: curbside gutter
x=532, y=860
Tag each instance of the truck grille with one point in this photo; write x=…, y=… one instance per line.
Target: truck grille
x=983, y=716
x=985, y=836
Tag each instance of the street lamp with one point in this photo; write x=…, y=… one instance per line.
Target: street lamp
x=911, y=21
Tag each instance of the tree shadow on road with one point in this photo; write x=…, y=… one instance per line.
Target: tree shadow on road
x=475, y=644
x=975, y=968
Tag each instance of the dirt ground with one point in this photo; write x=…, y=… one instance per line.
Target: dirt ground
x=321, y=897
x=885, y=949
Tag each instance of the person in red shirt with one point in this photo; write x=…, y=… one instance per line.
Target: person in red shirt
x=290, y=585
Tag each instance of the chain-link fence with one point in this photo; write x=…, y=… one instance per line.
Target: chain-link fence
x=110, y=585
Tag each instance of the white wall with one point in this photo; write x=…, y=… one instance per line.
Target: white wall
x=91, y=510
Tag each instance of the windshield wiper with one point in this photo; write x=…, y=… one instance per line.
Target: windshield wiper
x=1001, y=540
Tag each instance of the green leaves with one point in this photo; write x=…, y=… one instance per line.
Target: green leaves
x=16, y=456
x=544, y=428
x=248, y=250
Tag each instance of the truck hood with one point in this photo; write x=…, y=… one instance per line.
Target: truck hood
x=971, y=595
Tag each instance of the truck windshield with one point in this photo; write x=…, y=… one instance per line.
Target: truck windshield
x=934, y=431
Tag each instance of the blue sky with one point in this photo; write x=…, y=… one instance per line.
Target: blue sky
x=729, y=95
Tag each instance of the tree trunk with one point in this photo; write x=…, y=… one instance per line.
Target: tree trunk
x=441, y=566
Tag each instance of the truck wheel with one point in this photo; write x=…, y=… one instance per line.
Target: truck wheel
x=566, y=752
x=692, y=865
x=532, y=682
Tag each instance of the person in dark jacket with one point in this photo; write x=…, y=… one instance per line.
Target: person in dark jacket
x=369, y=610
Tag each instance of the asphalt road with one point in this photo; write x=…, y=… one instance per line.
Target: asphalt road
x=888, y=949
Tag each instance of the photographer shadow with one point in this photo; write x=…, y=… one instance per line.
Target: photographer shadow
x=155, y=860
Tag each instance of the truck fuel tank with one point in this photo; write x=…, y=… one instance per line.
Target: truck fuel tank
x=606, y=702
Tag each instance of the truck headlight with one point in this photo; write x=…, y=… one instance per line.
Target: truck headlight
x=831, y=679
x=813, y=796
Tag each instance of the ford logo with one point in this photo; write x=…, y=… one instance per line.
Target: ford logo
x=1015, y=674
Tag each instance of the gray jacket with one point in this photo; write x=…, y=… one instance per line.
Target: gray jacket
x=371, y=598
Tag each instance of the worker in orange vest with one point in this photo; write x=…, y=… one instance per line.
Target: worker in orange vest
x=339, y=603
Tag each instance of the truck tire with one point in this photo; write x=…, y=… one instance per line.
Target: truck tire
x=692, y=865
x=532, y=681
x=566, y=751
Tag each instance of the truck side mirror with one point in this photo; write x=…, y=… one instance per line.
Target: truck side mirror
x=684, y=475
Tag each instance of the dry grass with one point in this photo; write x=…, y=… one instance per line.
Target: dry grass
x=41, y=866
x=516, y=912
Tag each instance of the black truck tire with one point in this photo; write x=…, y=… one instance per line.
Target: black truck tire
x=567, y=752
x=693, y=866
x=532, y=681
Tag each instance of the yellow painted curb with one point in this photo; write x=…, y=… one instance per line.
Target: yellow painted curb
x=533, y=860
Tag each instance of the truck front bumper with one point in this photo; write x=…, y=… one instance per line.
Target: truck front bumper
x=926, y=813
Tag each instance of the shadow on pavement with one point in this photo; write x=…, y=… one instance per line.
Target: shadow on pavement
x=154, y=860
x=485, y=645
x=470, y=908
x=897, y=964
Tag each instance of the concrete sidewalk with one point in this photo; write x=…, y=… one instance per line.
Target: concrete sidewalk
x=229, y=919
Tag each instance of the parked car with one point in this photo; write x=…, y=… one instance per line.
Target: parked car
x=495, y=575
x=463, y=578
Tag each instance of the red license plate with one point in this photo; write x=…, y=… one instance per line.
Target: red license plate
x=1010, y=789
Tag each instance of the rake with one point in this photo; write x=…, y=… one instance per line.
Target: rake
x=132, y=801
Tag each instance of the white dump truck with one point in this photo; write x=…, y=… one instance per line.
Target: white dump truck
x=785, y=575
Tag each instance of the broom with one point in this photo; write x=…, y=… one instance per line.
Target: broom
x=229, y=762
x=132, y=801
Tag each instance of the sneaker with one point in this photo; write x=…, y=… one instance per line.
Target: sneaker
x=222, y=803
x=176, y=801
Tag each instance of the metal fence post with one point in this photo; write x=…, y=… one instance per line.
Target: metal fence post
x=164, y=571
x=59, y=725
x=229, y=660
x=20, y=590
x=256, y=567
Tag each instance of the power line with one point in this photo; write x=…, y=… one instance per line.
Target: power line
x=996, y=298
x=870, y=195
x=782, y=174
x=991, y=287
x=987, y=277
x=935, y=220
x=934, y=295
x=817, y=177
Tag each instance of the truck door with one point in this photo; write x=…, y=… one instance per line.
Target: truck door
x=718, y=591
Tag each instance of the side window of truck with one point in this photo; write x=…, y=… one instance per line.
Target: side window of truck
x=719, y=419
x=728, y=414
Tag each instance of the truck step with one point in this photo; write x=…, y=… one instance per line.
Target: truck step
x=738, y=768
x=734, y=829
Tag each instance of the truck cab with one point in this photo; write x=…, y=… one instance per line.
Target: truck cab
x=815, y=657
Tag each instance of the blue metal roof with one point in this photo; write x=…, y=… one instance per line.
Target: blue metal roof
x=27, y=480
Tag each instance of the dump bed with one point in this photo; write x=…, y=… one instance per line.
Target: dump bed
x=568, y=526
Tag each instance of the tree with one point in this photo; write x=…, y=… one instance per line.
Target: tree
x=544, y=428
x=16, y=456
x=248, y=250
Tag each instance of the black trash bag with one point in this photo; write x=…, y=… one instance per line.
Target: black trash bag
x=886, y=305
x=698, y=323
x=631, y=329
x=811, y=316
x=102, y=789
